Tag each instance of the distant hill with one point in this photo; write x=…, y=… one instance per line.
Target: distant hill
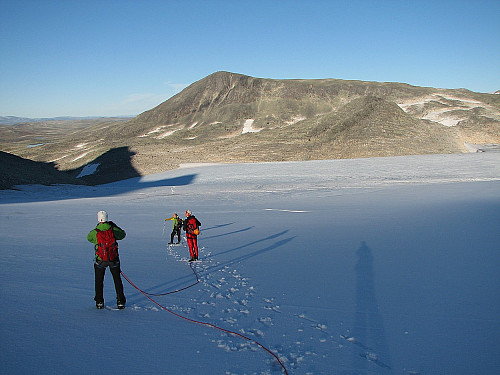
x=12, y=120
x=228, y=117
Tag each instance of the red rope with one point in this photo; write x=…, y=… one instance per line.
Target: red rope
x=147, y=295
x=167, y=293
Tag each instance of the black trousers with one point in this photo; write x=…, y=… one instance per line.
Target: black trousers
x=175, y=231
x=100, y=270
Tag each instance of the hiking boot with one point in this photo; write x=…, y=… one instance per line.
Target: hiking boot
x=192, y=258
x=120, y=305
x=99, y=305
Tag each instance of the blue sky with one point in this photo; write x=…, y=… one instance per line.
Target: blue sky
x=122, y=57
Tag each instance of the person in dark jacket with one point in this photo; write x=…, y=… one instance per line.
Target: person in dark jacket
x=190, y=226
x=113, y=260
x=176, y=228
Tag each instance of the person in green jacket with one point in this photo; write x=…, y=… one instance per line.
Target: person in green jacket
x=106, y=254
x=176, y=228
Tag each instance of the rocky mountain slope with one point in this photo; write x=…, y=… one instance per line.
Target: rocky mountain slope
x=228, y=117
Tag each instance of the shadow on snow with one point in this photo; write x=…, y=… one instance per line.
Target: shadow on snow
x=112, y=173
x=183, y=280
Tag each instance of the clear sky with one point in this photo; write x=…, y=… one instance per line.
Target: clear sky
x=123, y=57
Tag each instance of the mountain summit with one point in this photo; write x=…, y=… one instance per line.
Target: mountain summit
x=233, y=117
x=229, y=117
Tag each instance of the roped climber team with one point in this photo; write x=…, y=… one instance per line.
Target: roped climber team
x=105, y=236
x=190, y=225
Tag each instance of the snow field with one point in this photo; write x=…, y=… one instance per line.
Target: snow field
x=368, y=266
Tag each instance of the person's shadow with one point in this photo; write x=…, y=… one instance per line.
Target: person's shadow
x=368, y=334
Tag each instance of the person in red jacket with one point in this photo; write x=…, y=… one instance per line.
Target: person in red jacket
x=191, y=227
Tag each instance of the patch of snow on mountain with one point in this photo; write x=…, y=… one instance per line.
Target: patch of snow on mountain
x=442, y=116
x=294, y=120
x=88, y=170
x=248, y=127
x=166, y=134
x=80, y=156
x=155, y=130
x=59, y=158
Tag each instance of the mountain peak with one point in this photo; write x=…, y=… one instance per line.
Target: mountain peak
x=231, y=117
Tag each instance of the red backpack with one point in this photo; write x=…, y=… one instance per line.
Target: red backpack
x=107, y=247
x=192, y=227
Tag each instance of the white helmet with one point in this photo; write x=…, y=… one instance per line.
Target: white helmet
x=102, y=216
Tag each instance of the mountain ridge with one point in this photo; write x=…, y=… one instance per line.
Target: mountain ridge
x=231, y=117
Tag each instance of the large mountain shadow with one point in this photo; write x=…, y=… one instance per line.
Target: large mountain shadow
x=110, y=174
x=113, y=165
x=15, y=170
